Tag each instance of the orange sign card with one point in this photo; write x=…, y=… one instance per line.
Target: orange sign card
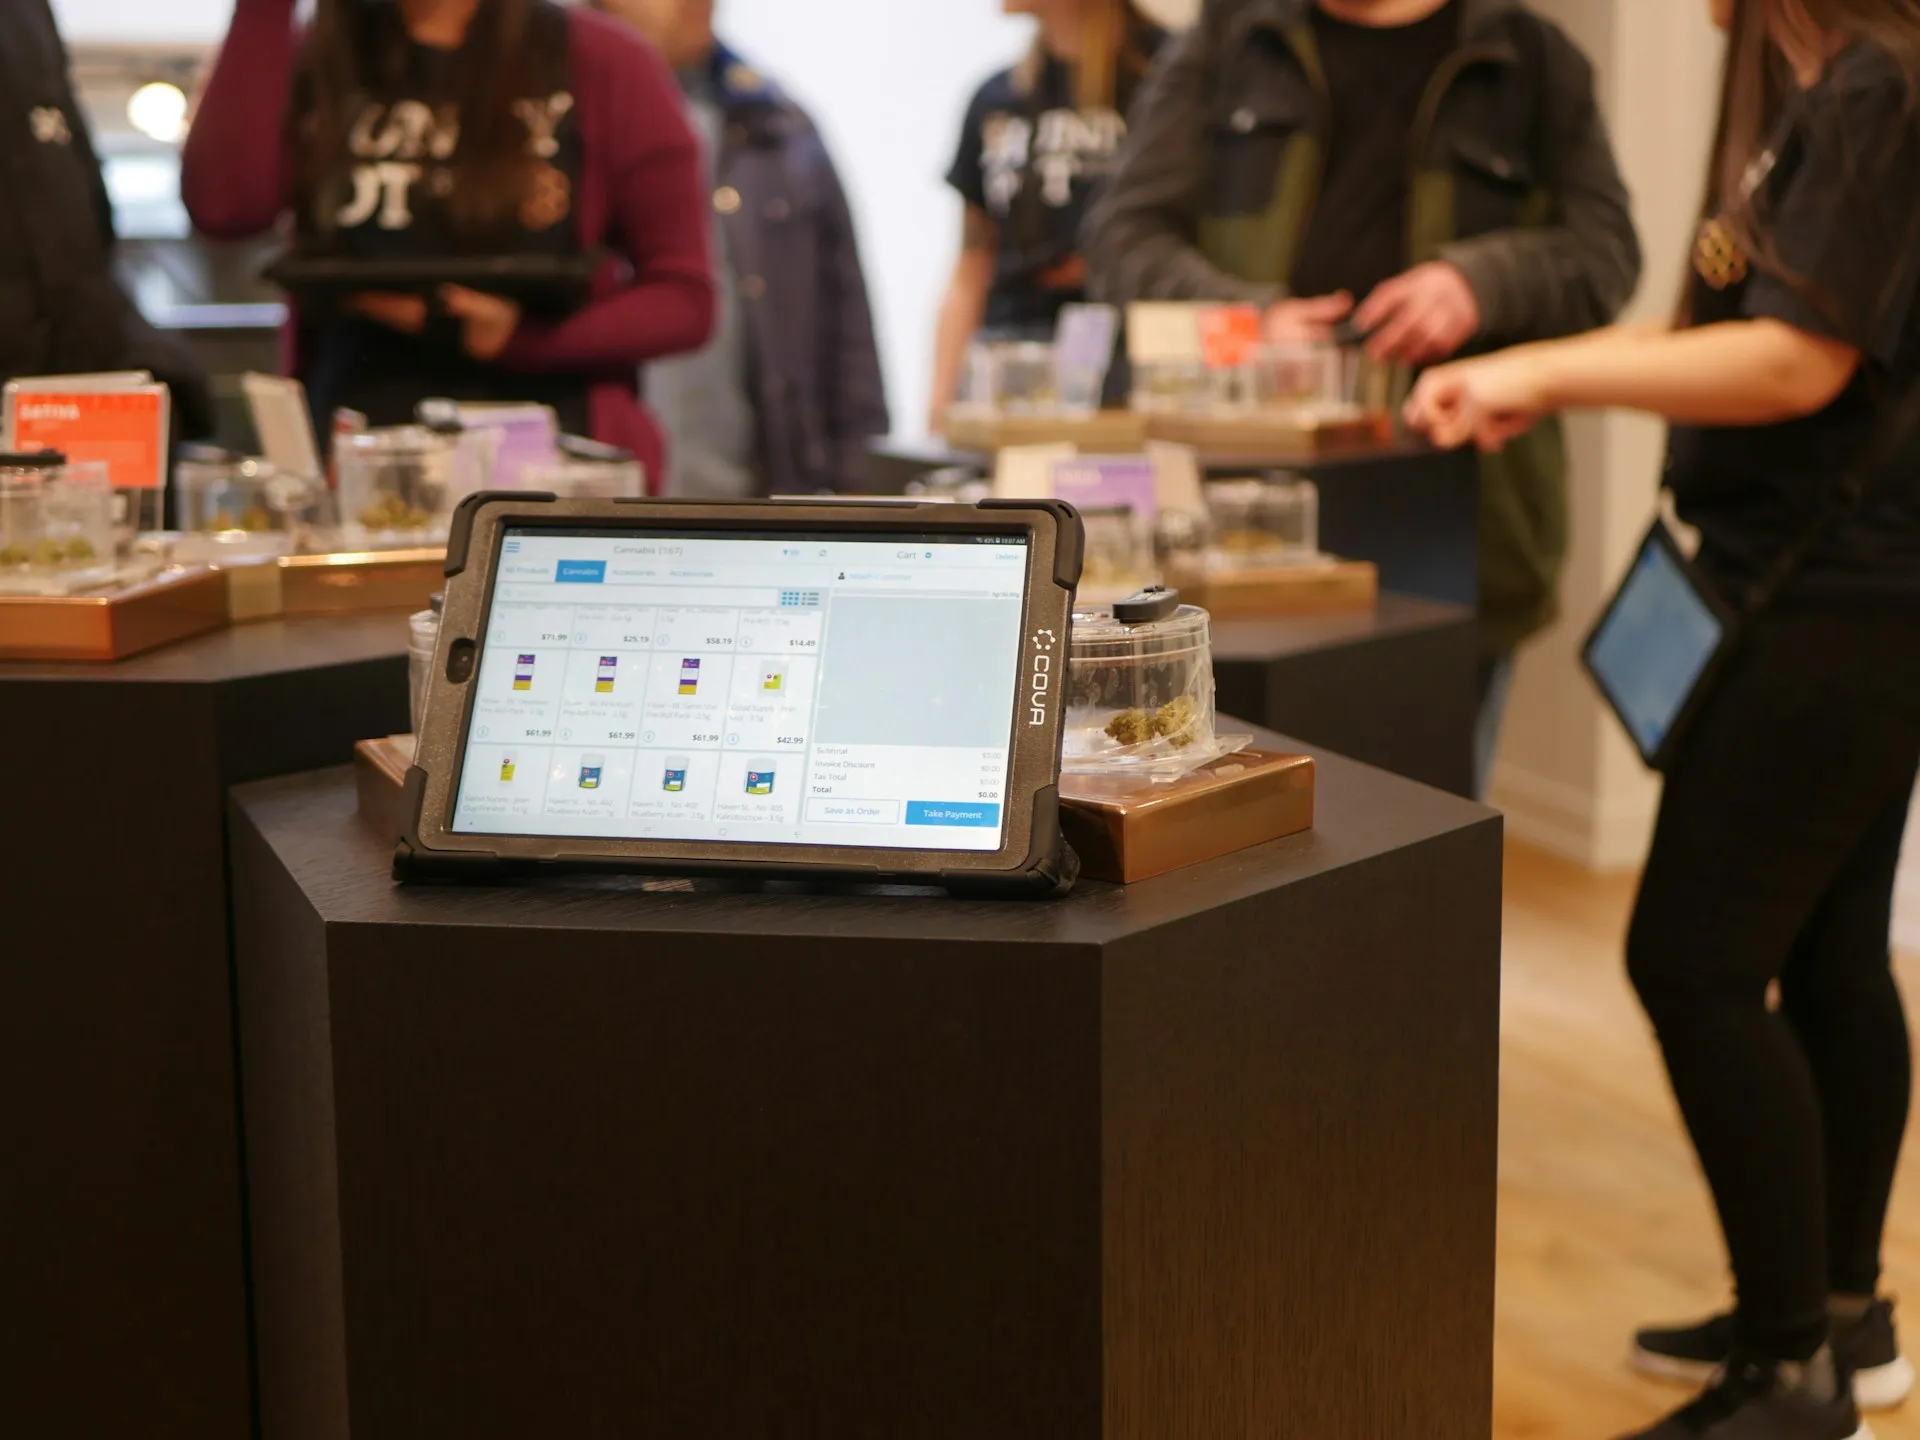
x=125, y=430
x=1229, y=335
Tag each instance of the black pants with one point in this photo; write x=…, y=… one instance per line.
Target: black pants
x=1774, y=859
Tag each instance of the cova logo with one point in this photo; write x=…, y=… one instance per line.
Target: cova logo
x=1043, y=642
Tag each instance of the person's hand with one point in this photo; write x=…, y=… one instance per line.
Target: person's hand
x=1486, y=402
x=405, y=313
x=1421, y=316
x=487, y=322
x=1298, y=322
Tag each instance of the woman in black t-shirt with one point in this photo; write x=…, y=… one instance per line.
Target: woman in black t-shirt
x=1779, y=834
x=1037, y=142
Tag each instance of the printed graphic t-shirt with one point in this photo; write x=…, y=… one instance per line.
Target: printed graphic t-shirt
x=1034, y=163
x=401, y=178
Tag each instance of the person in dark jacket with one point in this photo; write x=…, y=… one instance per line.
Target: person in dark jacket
x=1434, y=171
x=788, y=393
x=61, y=311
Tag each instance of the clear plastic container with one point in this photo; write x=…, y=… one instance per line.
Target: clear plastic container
x=235, y=507
x=587, y=470
x=1173, y=387
x=1306, y=377
x=56, y=526
x=1140, y=692
x=423, y=635
x=1119, y=552
x=1264, y=522
x=398, y=486
x=1011, y=377
x=953, y=484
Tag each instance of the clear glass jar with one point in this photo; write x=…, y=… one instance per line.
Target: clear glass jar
x=587, y=470
x=233, y=506
x=955, y=484
x=1011, y=377
x=1173, y=387
x=56, y=525
x=1310, y=377
x=1119, y=550
x=1140, y=695
x=423, y=635
x=1263, y=522
x=398, y=486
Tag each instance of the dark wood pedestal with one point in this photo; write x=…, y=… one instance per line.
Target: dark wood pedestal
x=122, y=1262
x=1396, y=686
x=1211, y=1155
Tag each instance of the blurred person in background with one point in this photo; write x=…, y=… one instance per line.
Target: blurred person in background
x=1434, y=173
x=1038, y=142
x=61, y=310
x=1792, y=381
x=437, y=128
x=786, y=396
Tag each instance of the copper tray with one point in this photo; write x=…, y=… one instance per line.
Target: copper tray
x=1124, y=834
x=172, y=606
x=335, y=584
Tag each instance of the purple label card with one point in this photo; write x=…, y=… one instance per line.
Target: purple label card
x=1096, y=482
x=1083, y=338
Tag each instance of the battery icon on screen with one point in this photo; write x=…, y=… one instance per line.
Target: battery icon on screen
x=689, y=677
x=523, y=673
x=603, y=683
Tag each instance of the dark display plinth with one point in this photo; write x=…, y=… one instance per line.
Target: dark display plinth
x=1209, y=1155
x=123, y=1253
x=1412, y=511
x=1394, y=686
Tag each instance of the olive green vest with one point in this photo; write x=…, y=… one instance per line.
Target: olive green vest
x=1523, y=489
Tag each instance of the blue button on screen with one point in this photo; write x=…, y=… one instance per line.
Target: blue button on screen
x=937, y=812
x=581, y=572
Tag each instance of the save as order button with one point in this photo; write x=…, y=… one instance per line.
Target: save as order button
x=831, y=810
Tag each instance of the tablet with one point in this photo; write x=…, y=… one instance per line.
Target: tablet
x=544, y=282
x=784, y=688
x=1655, y=649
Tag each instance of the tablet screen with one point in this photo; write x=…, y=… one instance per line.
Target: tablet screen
x=1653, y=644
x=844, y=690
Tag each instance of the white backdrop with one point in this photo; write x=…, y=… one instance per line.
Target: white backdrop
x=887, y=80
x=92, y=21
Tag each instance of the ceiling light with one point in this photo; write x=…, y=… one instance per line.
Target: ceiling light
x=159, y=111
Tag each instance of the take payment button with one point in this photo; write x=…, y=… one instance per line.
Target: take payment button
x=940, y=812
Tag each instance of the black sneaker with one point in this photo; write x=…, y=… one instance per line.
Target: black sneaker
x=1693, y=1354
x=1759, y=1401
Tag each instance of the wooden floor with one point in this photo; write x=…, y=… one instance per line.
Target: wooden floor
x=1604, y=1221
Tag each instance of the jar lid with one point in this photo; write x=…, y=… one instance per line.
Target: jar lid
x=437, y=602
x=399, y=440
x=1098, y=634
x=32, y=460
x=582, y=451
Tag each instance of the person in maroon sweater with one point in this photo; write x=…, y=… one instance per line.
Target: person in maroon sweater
x=417, y=129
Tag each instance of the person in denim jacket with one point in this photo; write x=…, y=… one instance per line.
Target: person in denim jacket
x=788, y=393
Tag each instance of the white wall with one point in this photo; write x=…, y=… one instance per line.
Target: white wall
x=1566, y=776
x=888, y=82
x=96, y=21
